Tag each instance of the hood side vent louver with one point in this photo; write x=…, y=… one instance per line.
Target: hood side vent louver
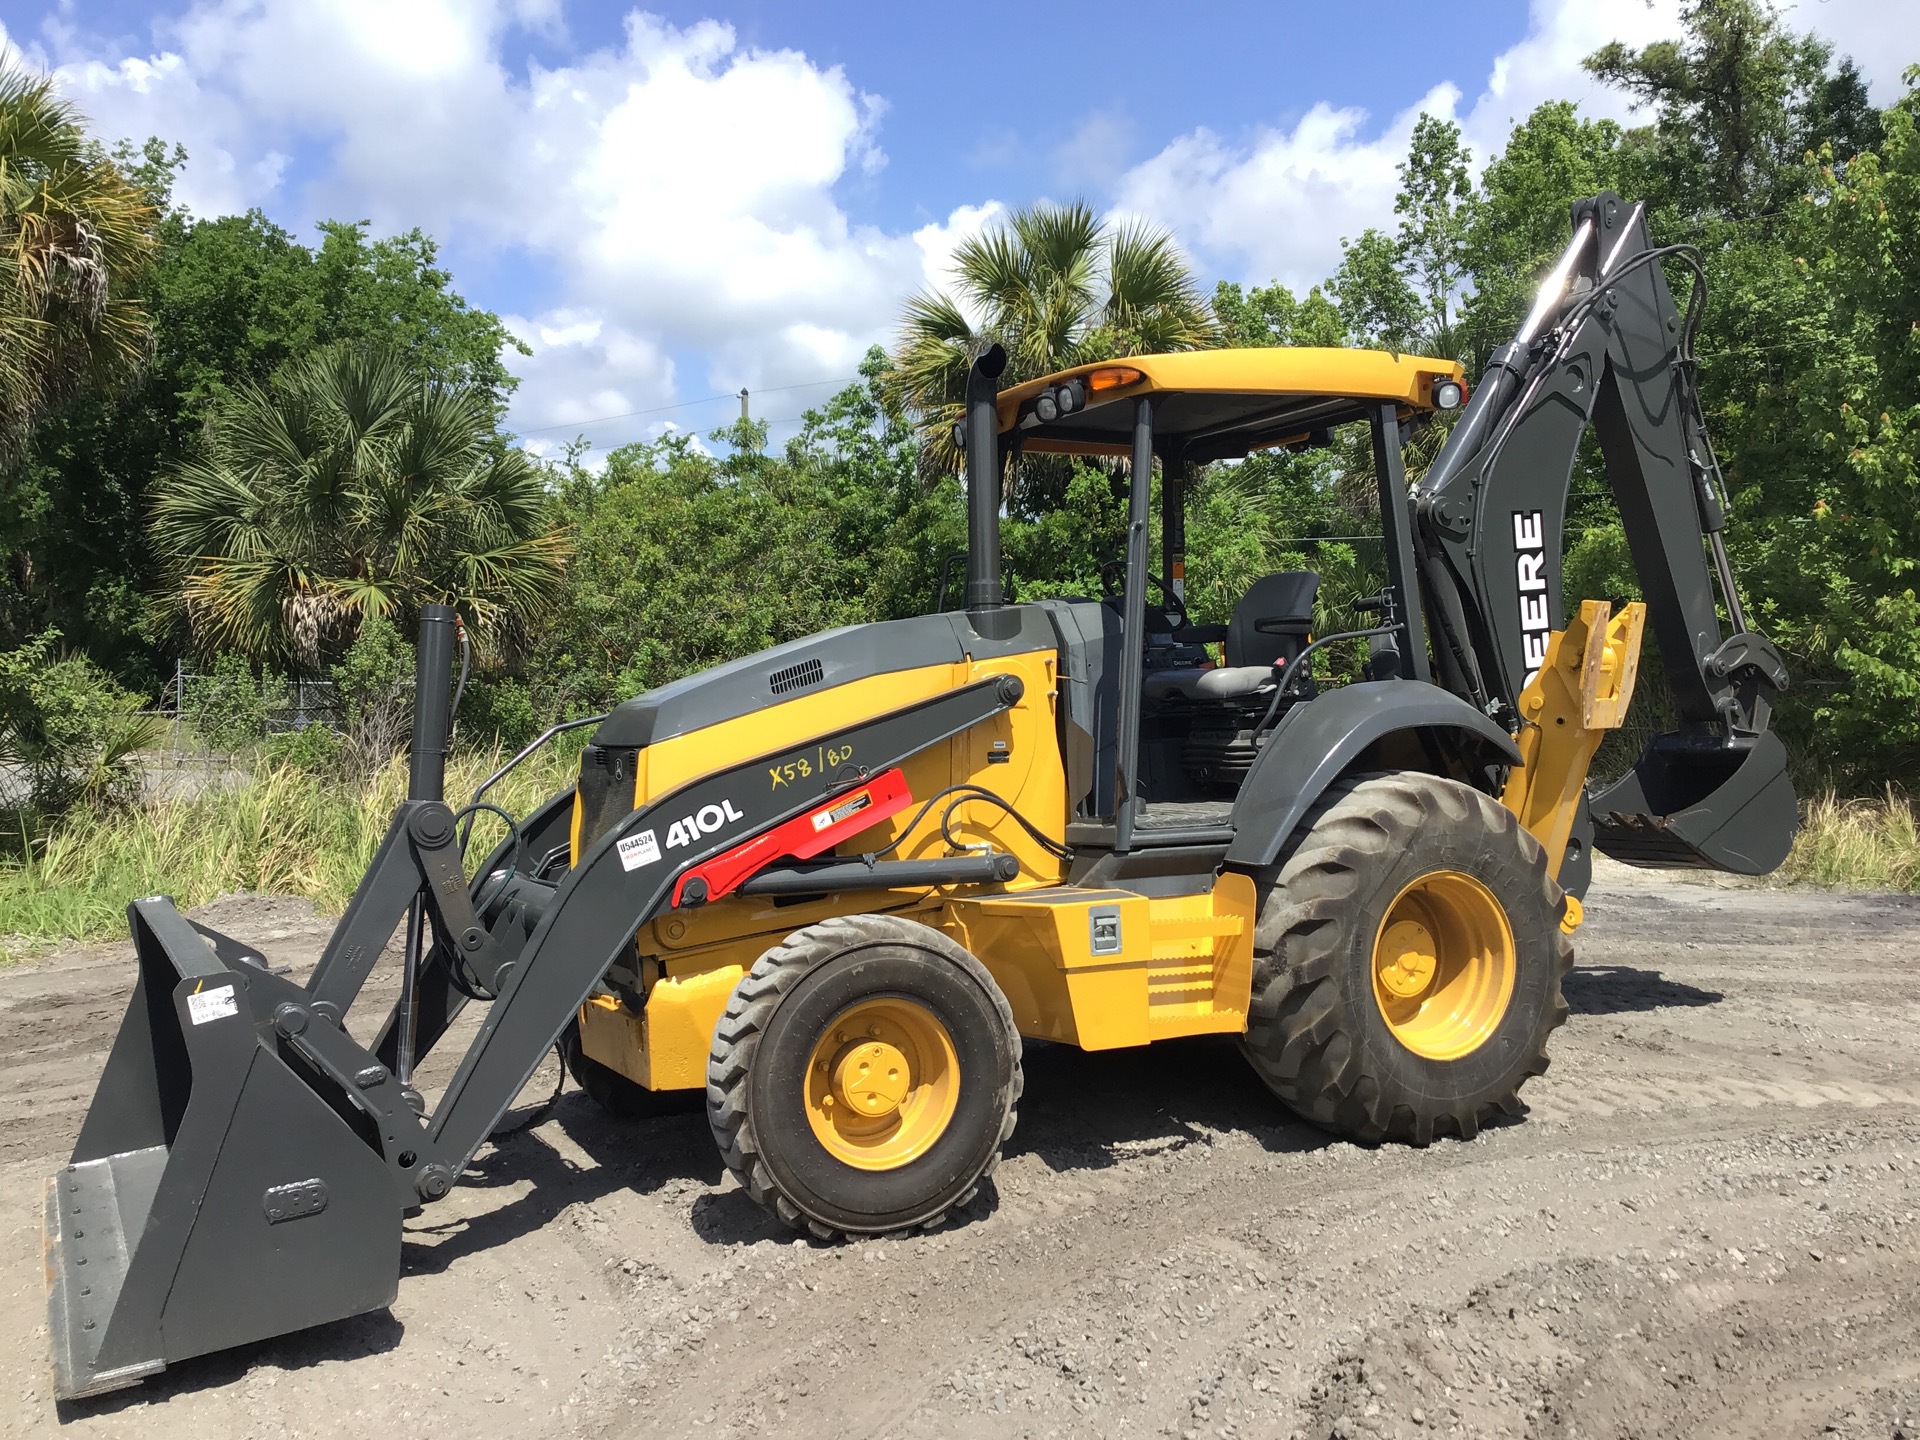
x=796, y=677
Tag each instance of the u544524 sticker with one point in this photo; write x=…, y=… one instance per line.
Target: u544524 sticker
x=638, y=850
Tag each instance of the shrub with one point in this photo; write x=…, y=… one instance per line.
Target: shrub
x=68, y=731
x=498, y=712
x=312, y=748
x=375, y=682
x=228, y=708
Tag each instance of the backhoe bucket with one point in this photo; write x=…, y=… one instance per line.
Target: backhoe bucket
x=1703, y=808
x=214, y=1197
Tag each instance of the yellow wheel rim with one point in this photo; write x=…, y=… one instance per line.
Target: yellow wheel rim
x=1443, y=965
x=882, y=1083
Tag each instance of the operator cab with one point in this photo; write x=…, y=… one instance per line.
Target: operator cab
x=1158, y=735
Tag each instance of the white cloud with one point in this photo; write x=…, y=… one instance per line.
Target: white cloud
x=678, y=187
x=1545, y=65
x=1276, y=203
x=1882, y=37
x=1096, y=152
x=1277, y=206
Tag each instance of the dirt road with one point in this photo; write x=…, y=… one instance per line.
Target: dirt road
x=1705, y=1227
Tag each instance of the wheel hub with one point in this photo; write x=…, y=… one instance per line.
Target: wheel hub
x=1444, y=965
x=1408, y=958
x=871, y=1078
x=882, y=1084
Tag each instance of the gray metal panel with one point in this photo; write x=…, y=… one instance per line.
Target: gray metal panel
x=1087, y=633
x=167, y=1249
x=854, y=652
x=1316, y=742
x=90, y=1210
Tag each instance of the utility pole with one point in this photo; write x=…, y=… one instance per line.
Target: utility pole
x=743, y=432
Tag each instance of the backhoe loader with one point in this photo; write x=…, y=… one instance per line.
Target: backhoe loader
x=832, y=887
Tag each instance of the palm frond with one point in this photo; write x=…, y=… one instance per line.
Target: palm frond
x=350, y=487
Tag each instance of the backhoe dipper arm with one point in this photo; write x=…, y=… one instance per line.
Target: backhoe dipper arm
x=1606, y=346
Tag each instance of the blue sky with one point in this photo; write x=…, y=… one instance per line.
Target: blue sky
x=673, y=202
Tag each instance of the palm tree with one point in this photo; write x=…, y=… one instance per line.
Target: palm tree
x=351, y=487
x=1056, y=286
x=76, y=240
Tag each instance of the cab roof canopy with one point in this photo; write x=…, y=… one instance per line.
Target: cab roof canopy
x=1218, y=404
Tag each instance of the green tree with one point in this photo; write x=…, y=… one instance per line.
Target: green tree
x=1264, y=315
x=76, y=240
x=1431, y=204
x=1378, y=304
x=1056, y=286
x=232, y=299
x=350, y=487
x=1400, y=292
x=1732, y=99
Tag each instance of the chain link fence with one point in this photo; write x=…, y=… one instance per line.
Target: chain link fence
x=182, y=757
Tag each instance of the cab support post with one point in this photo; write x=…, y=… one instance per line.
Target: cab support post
x=1133, y=663
x=1396, y=529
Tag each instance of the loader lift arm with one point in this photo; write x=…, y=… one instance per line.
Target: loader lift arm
x=1605, y=345
x=245, y=1164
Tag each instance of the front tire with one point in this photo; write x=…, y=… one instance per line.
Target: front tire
x=864, y=1077
x=1407, y=963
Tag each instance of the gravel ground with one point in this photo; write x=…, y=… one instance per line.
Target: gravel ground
x=1705, y=1227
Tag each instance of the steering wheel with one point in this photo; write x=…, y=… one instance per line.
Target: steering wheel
x=1112, y=587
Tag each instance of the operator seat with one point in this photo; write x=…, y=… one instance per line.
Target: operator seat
x=1267, y=632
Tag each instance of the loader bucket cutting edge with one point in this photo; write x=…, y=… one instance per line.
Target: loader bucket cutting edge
x=214, y=1196
x=1690, y=807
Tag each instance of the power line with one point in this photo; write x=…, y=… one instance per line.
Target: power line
x=682, y=405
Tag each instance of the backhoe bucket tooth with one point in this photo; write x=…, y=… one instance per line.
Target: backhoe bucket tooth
x=1692, y=807
x=214, y=1197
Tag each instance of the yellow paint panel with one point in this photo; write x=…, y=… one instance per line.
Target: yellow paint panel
x=1038, y=946
x=1030, y=777
x=664, y=1048
x=1202, y=972
x=1184, y=964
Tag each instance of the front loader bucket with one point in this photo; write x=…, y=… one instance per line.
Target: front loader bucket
x=214, y=1197
x=1704, y=808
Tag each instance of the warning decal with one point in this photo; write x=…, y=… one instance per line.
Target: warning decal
x=206, y=1005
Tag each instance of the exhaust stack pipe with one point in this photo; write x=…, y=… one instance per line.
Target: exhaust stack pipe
x=983, y=480
x=432, y=704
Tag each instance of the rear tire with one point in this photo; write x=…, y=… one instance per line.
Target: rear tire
x=864, y=1077
x=1407, y=962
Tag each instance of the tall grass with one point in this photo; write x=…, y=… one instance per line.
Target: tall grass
x=1869, y=844
x=283, y=831
x=287, y=831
